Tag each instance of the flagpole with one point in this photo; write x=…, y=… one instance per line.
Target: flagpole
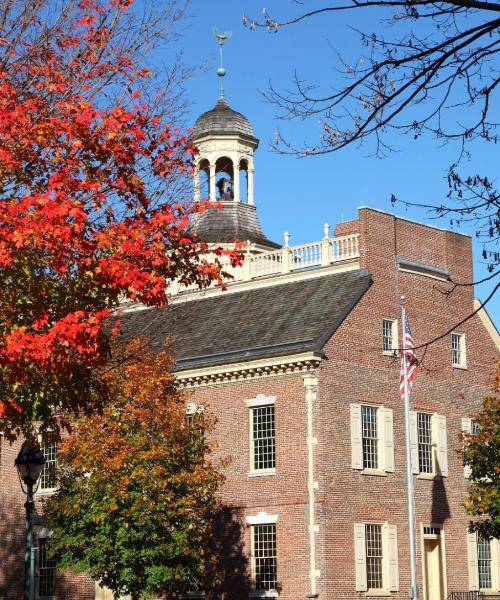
x=409, y=471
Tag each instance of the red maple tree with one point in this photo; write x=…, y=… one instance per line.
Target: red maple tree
x=85, y=221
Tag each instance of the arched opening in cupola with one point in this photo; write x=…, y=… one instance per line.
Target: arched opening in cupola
x=224, y=178
x=243, y=175
x=204, y=179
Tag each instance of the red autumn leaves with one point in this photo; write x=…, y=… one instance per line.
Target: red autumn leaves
x=85, y=214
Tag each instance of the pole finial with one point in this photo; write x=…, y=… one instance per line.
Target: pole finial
x=221, y=38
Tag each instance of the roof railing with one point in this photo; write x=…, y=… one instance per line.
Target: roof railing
x=290, y=259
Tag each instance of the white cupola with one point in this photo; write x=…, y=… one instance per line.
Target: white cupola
x=224, y=173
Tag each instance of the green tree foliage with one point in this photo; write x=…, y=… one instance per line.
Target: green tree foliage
x=481, y=454
x=135, y=486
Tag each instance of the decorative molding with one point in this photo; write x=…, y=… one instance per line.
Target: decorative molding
x=417, y=268
x=282, y=365
x=487, y=322
x=262, y=518
x=260, y=400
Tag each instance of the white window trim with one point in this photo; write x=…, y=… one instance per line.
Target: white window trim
x=395, y=342
x=463, y=351
x=260, y=400
x=390, y=553
x=192, y=408
x=257, y=402
x=262, y=518
x=385, y=441
x=44, y=491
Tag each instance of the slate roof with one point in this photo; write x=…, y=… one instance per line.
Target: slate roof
x=222, y=119
x=277, y=320
x=232, y=221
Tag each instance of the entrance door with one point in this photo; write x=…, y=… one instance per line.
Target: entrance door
x=434, y=585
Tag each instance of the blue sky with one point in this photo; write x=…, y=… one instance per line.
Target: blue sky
x=300, y=195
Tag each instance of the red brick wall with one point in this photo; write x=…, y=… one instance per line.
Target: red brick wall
x=356, y=371
x=285, y=493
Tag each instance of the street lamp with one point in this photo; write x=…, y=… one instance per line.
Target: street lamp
x=29, y=463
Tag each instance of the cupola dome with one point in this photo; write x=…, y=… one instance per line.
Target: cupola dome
x=222, y=119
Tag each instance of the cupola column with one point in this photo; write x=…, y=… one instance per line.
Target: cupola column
x=197, y=184
x=213, y=197
x=236, y=181
x=250, y=184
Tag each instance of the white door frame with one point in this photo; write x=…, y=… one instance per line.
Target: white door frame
x=433, y=536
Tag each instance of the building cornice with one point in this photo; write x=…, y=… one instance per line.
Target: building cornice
x=280, y=365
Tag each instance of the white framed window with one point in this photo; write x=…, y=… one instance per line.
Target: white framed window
x=458, y=355
x=429, y=444
x=192, y=410
x=389, y=336
x=484, y=563
x=46, y=572
x=372, y=443
x=262, y=435
x=264, y=566
x=376, y=558
x=48, y=474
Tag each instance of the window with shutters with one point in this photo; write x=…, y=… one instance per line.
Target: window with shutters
x=389, y=336
x=372, y=438
x=484, y=563
x=376, y=558
x=48, y=475
x=262, y=436
x=458, y=358
x=429, y=444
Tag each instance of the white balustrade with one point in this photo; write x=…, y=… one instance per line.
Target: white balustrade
x=292, y=259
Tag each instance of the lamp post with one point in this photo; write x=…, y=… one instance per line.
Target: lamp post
x=29, y=463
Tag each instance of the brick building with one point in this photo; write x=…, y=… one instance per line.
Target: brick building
x=297, y=359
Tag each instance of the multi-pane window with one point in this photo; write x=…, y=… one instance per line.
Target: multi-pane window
x=458, y=350
x=369, y=432
x=263, y=438
x=484, y=563
x=46, y=573
x=374, y=557
x=48, y=475
x=264, y=556
x=389, y=337
x=474, y=427
x=424, y=440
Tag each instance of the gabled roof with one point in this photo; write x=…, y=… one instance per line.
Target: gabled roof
x=264, y=322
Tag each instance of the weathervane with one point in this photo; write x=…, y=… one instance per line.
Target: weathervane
x=221, y=38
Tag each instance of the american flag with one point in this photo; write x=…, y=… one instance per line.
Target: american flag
x=411, y=359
